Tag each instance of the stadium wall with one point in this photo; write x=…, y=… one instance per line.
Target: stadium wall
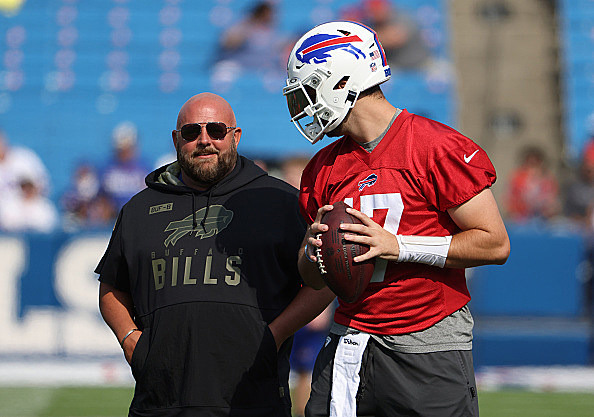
x=49, y=301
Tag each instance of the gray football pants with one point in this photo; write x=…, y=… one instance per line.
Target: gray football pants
x=393, y=384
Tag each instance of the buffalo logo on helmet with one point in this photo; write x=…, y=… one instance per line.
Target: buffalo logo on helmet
x=316, y=47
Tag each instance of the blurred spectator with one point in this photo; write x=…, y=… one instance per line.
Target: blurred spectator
x=588, y=151
x=253, y=45
x=84, y=203
x=124, y=176
x=309, y=339
x=579, y=195
x=533, y=193
x=579, y=208
x=400, y=35
x=27, y=210
x=16, y=163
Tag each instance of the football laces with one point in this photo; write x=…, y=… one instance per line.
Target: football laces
x=319, y=259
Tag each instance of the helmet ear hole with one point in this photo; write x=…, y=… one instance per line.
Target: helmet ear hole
x=342, y=83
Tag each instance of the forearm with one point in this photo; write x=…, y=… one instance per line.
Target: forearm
x=465, y=249
x=117, y=309
x=477, y=247
x=482, y=240
x=306, y=306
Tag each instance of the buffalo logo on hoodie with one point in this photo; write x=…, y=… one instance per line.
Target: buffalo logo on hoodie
x=218, y=219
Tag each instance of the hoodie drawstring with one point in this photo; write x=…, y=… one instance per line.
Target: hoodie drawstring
x=194, y=222
x=203, y=222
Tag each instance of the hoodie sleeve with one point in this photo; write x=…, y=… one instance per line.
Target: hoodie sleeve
x=112, y=268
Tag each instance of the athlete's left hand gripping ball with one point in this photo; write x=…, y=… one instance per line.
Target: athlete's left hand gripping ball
x=347, y=279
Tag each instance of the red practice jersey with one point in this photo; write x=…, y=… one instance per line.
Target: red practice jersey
x=420, y=169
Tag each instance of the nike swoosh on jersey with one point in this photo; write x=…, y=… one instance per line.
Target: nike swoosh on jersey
x=468, y=158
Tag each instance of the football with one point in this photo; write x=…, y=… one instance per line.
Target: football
x=347, y=279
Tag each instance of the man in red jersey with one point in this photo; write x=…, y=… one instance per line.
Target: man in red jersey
x=421, y=190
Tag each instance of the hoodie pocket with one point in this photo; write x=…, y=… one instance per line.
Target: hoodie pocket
x=206, y=355
x=259, y=386
x=270, y=354
x=140, y=353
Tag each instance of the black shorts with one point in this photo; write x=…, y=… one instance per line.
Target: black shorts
x=393, y=384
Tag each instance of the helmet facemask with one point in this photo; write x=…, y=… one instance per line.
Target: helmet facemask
x=308, y=99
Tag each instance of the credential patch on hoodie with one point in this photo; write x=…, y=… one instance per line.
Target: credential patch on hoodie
x=160, y=208
x=218, y=219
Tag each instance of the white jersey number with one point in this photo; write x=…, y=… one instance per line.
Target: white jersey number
x=391, y=202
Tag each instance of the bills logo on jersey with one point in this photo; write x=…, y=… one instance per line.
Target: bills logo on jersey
x=367, y=182
x=316, y=47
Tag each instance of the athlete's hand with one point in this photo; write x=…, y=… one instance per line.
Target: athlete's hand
x=130, y=345
x=315, y=229
x=382, y=243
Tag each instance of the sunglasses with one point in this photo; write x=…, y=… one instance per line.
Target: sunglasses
x=216, y=130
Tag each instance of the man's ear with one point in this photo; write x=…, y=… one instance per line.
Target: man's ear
x=174, y=137
x=237, y=135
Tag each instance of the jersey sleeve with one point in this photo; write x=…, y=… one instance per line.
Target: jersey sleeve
x=458, y=170
x=112, y=268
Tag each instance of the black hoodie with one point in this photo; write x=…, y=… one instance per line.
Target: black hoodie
x=207, y=271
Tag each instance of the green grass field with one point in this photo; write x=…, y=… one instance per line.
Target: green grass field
x=107, y=402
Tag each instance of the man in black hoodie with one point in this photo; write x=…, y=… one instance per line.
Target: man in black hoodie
x=199, y=282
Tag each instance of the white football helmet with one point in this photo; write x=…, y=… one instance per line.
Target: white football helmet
x=323, y=57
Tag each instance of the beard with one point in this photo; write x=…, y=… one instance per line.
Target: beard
x=207, y=172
